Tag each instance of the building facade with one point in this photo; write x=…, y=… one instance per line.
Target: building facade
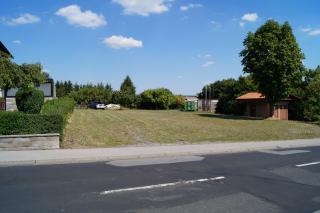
x=257, y=106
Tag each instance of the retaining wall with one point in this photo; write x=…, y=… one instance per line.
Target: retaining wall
x=29, y=142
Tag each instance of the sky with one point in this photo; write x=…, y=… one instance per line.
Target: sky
x=178, y=44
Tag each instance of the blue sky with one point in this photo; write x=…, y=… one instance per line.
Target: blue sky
x=178, y=44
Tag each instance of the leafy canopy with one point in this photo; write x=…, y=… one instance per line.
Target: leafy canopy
x=10, y=75
x=273, y=57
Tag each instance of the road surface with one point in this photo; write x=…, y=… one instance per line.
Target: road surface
x=272, y=181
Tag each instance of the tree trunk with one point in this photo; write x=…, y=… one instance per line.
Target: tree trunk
x=5, y=99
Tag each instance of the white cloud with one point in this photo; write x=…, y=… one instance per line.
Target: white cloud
x=121, y=42
x=215, y=23
x=143, y=7
x=311, y=32
x=207, y=56
x=25, y=18
x=250, y=17
x=314, y=32
x=16, y=41
x=305, y=30
x=189, y=6
x=208, y=64
x=87, y=18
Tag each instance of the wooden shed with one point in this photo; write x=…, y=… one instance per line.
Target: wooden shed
x=257, y=106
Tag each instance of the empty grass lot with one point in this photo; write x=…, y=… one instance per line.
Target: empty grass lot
x=91, y=128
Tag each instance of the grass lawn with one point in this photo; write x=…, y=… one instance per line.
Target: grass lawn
x=91, y=128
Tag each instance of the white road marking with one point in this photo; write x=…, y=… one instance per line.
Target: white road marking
x=161, y=185
x=308, y=164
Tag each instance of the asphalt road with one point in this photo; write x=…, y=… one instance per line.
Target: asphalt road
x=245, y=182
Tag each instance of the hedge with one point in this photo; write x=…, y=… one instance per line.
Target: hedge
x=61, y=106
x=53, y=118
x=17, y=123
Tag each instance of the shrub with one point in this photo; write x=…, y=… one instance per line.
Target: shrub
x=61, y=106
x=161, y=98
x=58, y=106
x=29, y=100
x=179, y=102
x=17, y=123
x=88, y=94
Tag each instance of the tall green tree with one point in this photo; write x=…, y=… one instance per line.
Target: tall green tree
x=127, y=86
x=10, y=74
x=127, y=95
x=32, y=75
x=273, y=57
x=311, y=99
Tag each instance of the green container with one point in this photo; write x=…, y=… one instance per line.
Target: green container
x=190, y=106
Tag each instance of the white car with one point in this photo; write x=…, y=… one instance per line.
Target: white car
x=113, y=106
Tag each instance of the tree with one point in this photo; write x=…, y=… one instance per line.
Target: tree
x=179, y=102
x=10, y=75
x=273, y=57
x=311, y=100
x=127, y=93
x=226, y=91
x=85, y=95
x=161, y=98
x=32, y=75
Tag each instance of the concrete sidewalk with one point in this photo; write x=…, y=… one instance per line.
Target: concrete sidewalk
x=61, y=156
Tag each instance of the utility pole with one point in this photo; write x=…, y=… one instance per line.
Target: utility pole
x=209, y=104
x=205, y=99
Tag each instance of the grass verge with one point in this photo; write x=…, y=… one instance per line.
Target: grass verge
x=91, y=128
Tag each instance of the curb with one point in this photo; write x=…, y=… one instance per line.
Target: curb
x=105, y=154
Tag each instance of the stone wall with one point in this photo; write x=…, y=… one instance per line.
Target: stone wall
x=29, y=142
x=11, y=104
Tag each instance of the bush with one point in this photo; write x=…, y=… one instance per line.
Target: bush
x=61, y=106
x=88, y=94
x=161, y=98
x=17, y=123
x=179, y=102
x=29, y=100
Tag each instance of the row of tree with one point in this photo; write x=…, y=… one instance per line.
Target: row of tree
x=83, y=94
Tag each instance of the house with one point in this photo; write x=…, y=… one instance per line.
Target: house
x=257, y=106
x=8, y=101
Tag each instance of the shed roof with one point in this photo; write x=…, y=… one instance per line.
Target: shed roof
x=252, y=96
x=5, y=50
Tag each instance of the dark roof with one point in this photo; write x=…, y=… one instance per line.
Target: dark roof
x=5, y=50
